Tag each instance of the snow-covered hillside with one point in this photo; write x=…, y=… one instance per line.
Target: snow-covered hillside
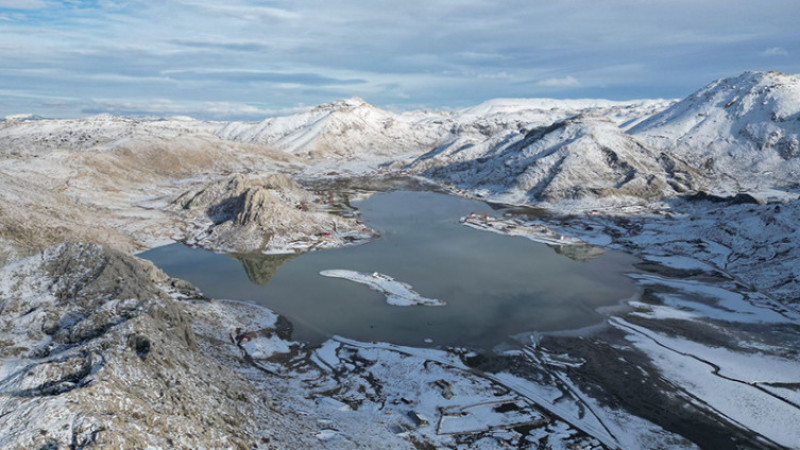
x=355, y=128
x=548, y=110
x=35, y=136
x=348, y=128
x=743, y=128
x=342, y=128
x=97, y=352
x=571, y=159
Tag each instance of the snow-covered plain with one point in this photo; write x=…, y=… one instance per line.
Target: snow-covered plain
x=704, y=190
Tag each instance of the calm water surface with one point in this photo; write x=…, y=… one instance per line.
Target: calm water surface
x=495, y=286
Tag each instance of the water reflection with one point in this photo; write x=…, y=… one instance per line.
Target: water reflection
x=582, y=253
x=261, y=268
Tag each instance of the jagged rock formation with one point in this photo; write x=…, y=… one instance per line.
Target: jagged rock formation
x=262, y=214
x=96, y=352
x=573, y=159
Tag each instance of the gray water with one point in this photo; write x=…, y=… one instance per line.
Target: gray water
x=495, y=286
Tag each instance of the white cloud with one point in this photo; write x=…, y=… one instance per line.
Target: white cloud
x=170, y=107
x=245, y=11
x=496, y=76
x=481, y=56
x=564, y=82
x=439, y=53
x=23, y=4
x=775, y=51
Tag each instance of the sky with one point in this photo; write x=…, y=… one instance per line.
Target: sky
x=250, y=59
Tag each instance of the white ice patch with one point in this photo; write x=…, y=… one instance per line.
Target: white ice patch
x=397, y=293
x=264, y=347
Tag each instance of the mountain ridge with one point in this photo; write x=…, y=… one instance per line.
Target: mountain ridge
x=741, y=126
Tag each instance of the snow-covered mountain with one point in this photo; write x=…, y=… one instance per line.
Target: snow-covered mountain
x=737, y=134
x=22, y=118
x=102, y=349
x=739, y=127
x=355, y=128
x=101, y=132
x=548, y=110
x=342, y=128
x=742, y=133
x=348, y=128
x=572, y=159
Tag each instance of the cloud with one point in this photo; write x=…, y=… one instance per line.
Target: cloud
x=237, y=46
x=496, y=76
x=23, y=4
x=275, y=54
x=480, y=56
x=160, y=107
x=564, y=82
x=246, y=11
x=775, y=51
x=256, y=76
x=168, y=107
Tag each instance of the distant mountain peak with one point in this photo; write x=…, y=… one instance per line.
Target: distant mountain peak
x=347, y=103
x=772, y=96
x=23, y=117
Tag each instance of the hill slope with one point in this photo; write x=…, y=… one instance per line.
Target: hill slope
x=354, y=128
x=578, y=158
x=735, y=127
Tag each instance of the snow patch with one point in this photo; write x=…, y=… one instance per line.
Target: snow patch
x=397, y=293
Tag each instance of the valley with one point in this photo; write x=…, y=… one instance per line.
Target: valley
x=637, y=286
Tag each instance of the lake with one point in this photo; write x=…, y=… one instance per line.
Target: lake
x=495, y=286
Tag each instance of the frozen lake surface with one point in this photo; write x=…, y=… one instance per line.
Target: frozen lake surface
x=494, y=286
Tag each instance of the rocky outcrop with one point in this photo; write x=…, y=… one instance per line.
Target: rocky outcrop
x=97, y=352
x=265, y=214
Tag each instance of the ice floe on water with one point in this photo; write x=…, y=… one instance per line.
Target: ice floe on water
x=517, y=227
x=397, y=293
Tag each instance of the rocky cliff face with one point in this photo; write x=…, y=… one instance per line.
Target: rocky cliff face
x=97, y=352
x=272, y=214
